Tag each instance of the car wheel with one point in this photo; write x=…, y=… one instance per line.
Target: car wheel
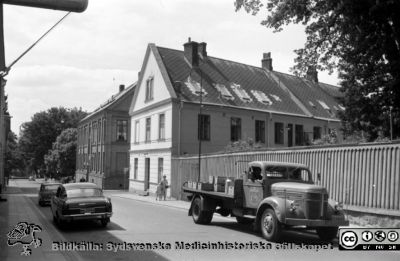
x=327, y=233
x=270, y=226
x=104, y=222
x=199, y=215
x=60, y=222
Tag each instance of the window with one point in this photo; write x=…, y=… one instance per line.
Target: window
x=224, y=91
x=298, y=135
x=149, y=88
x=195, y=87
x=278, y=133
x=122, y=130
x=261, y=97
x=135, y=168
x=241, y=93
x=276, y=97
x=161, y=127
x=203, y=127
x=323, y=104
x=317, y=133
x=137, y=128
x=148, y=129
x=236, y=129
x=160, y=168
x=260, y=131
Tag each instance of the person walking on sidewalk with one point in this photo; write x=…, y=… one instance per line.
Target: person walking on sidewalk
x=162, y=188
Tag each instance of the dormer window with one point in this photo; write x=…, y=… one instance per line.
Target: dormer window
x=261, y=97
x=225, y=93
x=149, y=88
x=195, y=87
x=241, y=93
x=323, y=104
x=311, y=104
x=276, y=97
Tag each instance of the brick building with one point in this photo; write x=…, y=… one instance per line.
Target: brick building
x=103, y=142
x=188, y=102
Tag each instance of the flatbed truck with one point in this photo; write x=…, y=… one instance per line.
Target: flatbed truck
x=271, y=195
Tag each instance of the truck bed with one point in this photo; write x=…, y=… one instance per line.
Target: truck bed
x=213, y=194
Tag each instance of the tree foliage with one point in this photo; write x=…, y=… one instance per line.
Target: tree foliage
x=38, y=135
x=13, y=157
x=361, y=39
x=61, y=159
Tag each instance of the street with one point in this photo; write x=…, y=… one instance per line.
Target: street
x=150, y=222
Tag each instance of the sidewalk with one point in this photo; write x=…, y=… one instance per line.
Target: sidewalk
x=149, y=199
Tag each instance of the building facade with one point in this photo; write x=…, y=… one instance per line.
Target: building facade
x=103, y=142
x=189, y=103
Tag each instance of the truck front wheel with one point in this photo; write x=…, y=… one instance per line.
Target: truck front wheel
x=199, y=215
x=270, y=226
x=327, y=233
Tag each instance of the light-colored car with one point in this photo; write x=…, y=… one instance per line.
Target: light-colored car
x=80, y=201
x=46, y=192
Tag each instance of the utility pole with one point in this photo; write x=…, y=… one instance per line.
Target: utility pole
x=63, y=5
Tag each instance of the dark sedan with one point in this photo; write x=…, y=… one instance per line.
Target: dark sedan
x=46, y=192
x=80, y=201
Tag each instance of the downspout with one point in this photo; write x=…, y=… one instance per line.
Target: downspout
x=179, y=127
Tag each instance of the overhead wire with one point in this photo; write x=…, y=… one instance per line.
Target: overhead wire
x=8, y=68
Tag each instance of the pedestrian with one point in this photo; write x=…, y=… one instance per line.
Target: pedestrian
x=163, y=187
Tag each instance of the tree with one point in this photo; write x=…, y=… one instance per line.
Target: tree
x=62, y=158
x=13, y=157
x=38, y=135
x=361, y=38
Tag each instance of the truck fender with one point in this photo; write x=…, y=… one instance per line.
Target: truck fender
x=206, y=204
x=276, y=203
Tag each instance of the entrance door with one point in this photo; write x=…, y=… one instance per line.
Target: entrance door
x=146, y=173
x=290, y=135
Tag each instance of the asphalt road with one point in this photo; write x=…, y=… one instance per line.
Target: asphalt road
x=135, y=222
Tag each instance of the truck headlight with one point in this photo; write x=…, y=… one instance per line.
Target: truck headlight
x=293, y=204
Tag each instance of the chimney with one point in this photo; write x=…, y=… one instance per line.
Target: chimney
x=191, y=52
x=312, y=74
x=203, y=49
x=266, y=62
x=121, y=87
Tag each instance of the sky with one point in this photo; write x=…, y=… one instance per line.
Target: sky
x=85, y=58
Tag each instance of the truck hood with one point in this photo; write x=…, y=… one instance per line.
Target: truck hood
x=298, y=187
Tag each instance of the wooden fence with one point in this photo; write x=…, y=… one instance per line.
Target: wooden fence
x=364, y=177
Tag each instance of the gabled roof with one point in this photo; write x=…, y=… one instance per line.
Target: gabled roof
x=246, y=86
x=114, y=99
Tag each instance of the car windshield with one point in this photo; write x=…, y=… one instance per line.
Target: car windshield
x=84, y=192
x=50, y=187
x=291, y=173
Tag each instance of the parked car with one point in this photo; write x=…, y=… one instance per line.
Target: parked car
x=46, y=192
x=80, y=201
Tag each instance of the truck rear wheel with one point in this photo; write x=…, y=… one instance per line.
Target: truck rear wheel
x=327, y=233
x=270, y=226
x=199, y=215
